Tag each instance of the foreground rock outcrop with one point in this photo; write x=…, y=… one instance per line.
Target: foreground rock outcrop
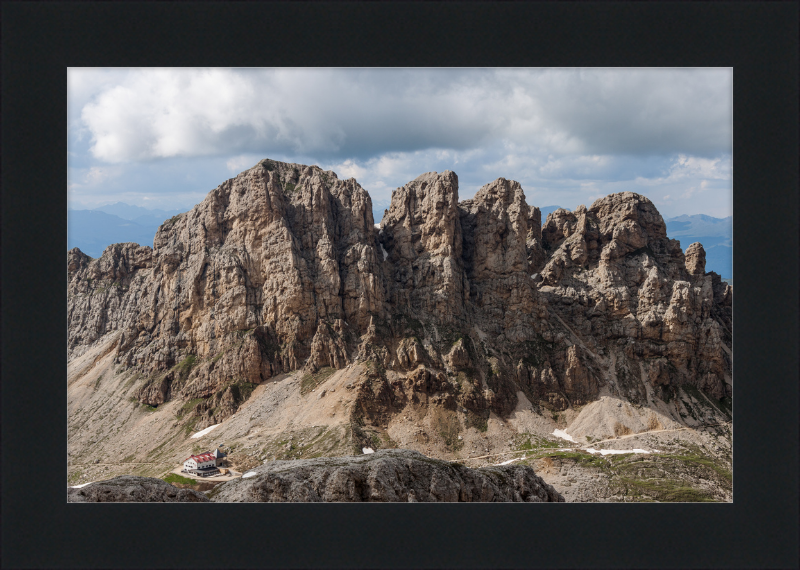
x=133, y=489
x=458, y=305
x=391, y=475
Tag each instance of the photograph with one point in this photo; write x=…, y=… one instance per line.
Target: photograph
x=391, y=284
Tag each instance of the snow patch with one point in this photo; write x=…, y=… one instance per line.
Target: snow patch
x=563, y=435
x=385, y=255
x=509, y=461
x=618, y=451
x=82, y=485
x=249, y=474
x=366, y=450
x=201, y=433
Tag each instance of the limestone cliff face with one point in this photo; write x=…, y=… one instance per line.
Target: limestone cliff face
x=627, y=291
x=421, y=234
x=282, y=268
x=275, y=269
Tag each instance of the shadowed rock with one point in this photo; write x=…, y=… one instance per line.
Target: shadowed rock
x=133, y=489
x=390, y=475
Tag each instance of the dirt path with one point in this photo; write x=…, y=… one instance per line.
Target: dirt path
x=219, y=478
x=654, y=431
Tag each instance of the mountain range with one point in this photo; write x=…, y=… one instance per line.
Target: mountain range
x=276, y=317
x=93, y=230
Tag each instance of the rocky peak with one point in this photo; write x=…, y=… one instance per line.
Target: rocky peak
x=695, y=259
x=421, y=234
x=619, y=212
x=423, y=217
x=496, y=223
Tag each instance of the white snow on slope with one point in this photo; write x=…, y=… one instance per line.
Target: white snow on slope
x=82, y=485
x=366, y=450
x=249, y=474
x=509, y=461
x=201, y=433
x=385, y=255
x=563, y=435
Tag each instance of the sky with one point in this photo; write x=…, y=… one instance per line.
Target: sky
x=162, y=138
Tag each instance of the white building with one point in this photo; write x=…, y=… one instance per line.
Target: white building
x=201, y=461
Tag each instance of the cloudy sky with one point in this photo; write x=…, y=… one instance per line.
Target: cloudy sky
x=163, y=138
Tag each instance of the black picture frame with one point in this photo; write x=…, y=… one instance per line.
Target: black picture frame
x=758, y=39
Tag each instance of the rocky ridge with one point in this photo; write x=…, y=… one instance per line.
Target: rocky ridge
x=454, y=305
x=385, y=476
x=132, y=489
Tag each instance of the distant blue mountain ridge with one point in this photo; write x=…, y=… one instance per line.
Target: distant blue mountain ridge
x=715, y=234
x=94, y=230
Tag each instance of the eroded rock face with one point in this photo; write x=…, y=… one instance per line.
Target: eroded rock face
x=276, y=269
x=421, y=234
x=133, y=489
x=470, y=302
x=696, y=259
x=624, y=288
x=391, y=475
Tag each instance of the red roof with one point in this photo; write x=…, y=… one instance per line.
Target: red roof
x=202, y=458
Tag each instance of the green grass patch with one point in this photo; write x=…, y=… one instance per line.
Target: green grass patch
x=311, y=381
x=189, y=427
x=663, y=490
x=175, y=478
x=585, y=459
x=614, y=458
x=705, y=462
x=184, y=367
x=528, y=442
x=188, y=406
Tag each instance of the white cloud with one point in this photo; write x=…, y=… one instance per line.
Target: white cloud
x=567, y=135
x=160, y=113
x=692, y=167
x=240, y=163
x=93, y=176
